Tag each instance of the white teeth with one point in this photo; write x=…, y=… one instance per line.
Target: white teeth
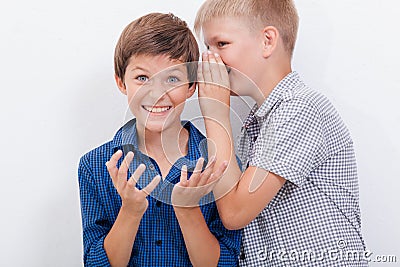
x=156, y=110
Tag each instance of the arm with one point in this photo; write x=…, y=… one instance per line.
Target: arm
x=200, y=238
x=95, y=224
x=119, y=241
x=235, y=190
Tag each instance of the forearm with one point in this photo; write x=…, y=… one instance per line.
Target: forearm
x=220, y=144
x=201, y=244
x=236, y=190
x=257, y=187
x=119, y=241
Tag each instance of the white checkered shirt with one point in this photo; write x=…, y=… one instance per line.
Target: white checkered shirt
x=314, y=220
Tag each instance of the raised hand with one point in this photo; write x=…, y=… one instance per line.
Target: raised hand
x=213, y=82
x=133, y=199
x=187, y=193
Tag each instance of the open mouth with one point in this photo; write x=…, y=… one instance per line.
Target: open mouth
x=157, y=109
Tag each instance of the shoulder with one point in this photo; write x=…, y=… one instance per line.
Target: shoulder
x=310, y=113
x=96, y=155
x=196, y=137
x=101, y=154
x=306, y=104
x=192, y=129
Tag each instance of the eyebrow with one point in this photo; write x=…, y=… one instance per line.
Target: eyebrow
x=174, y=69
x=171, y=69
x=137, y=68
x=213, y=39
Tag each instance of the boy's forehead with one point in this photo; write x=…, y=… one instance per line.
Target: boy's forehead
x=156, y=64
x=226, y=24
x=222, y=27
x=149, y=60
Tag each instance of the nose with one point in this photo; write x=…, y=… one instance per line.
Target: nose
x=157, y=90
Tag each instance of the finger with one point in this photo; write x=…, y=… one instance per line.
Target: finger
x=222, y=70
x=112, y=166
x=214, y=69
x=115, y=157
x=123, y=170
x=152, y=185
x=211, y=162
x=184, y=181
x=206, y=69
x=219, y=172
x=205, y=175
x=200, y=77
x=194, y=179
x=136, y=175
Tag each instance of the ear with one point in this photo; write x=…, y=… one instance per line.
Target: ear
x=191, y=90
x=120, y=84
x=270, y=37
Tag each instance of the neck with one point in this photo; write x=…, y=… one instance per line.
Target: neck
x=270, y=80
x=170, y=143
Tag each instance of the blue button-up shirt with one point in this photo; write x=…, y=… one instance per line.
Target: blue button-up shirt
x=159, y=241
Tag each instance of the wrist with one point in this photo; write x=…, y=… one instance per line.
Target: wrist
x=132, y=215
x=185, y=212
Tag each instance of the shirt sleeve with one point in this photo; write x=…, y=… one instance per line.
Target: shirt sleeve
x=291, y=142
x=229, y=241
x=94, y=223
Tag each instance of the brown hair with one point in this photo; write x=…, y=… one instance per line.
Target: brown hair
x=156, y=34
x=281, y=14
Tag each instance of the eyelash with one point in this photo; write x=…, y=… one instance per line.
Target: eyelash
x=221, y=44
x=173, y=77
x=142, y=76
x=139, y=78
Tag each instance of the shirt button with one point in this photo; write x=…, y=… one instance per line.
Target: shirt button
x=151, y=167
x=159, y=242
x=158, y=203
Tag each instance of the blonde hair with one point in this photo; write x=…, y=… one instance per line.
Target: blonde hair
x=281, y=14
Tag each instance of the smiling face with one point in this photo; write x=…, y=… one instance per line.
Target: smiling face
x=157, y=88
x=240, y=49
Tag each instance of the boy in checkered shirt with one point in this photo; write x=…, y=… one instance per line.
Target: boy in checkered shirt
x=298, y=198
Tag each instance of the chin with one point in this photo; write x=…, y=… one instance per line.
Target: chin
x=155, y=127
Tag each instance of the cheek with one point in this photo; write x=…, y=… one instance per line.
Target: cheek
x=234, y=58
x=134, y=97
x=178, y=96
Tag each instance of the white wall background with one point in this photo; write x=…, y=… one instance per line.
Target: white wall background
x=58, y=100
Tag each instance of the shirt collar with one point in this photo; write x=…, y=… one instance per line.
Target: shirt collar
x=287, y=84
x=126, y=135
x=197, y=144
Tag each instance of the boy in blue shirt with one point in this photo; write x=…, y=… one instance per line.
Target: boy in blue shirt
x=298, y=197
x=127, y=216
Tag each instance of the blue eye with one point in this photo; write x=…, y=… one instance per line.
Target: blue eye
x=173, y=79
x=142, y=78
